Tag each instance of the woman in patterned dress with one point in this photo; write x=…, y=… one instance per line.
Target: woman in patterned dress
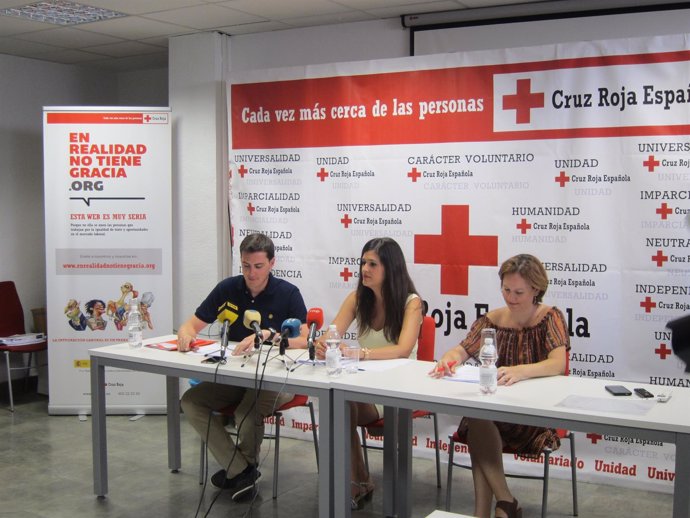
x=533, y=341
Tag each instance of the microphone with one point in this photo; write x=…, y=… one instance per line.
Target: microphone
x=224, y=340
x=252, y=320
x=288, y=329
x=315, y=322
x=227, y=314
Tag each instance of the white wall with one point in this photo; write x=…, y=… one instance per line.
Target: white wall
x=26, y=86
x=143, y=88
x=333, y=44
x=200, y=217
x=199, y=155
x=316, y=45
x=341, y=43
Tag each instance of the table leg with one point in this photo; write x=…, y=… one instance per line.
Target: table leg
x=326, y=462
x=404, y=477
x=341, y=455
x=390, y=460
x=681, y=498
x=98, y=434
x=174, y=443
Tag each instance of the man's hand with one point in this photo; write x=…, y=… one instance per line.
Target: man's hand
x=245, y=346
x=184, y=342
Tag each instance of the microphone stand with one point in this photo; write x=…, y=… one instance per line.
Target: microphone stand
x=311, y=337
x=282, y=345
x=224, y=341
x=223, y=345
x=310, y=341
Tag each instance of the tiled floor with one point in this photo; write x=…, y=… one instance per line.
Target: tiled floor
x=46, y=471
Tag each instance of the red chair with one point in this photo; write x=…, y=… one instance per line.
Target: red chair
x=426, y=344
x=544, y=477
x=12, y=323
x=297, y=401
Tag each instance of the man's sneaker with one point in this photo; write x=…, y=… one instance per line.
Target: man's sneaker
x=244, y=484
x=219, y=479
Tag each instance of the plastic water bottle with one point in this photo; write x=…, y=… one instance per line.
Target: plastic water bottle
x=134, y=325
x=487, y=370
x=334, y=366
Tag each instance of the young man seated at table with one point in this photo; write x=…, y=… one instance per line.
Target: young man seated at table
x=275, y=300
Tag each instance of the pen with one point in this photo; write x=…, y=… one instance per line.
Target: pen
x=450, y=364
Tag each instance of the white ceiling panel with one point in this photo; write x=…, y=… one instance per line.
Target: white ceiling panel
x=140, y=38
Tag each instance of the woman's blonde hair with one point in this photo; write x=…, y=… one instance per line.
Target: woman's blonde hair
x=530, y=269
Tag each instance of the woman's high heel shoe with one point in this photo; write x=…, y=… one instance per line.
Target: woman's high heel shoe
x=364, y=494
x=511, y=509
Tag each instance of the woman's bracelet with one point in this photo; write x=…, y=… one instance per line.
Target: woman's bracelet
x=365, y=351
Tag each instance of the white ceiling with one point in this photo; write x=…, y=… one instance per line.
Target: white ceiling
x=140, y=39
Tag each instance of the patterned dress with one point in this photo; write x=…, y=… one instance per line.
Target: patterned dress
x=515, y=347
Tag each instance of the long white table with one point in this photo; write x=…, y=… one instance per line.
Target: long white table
x=307, y=379
x=563, y=402
x=401, y=389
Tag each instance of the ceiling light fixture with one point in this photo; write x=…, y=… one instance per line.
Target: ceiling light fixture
x=60, y=12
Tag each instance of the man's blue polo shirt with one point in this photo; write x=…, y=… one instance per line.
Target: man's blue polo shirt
x=278, y=301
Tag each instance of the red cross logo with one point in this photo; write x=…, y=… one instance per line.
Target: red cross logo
x=594, y=437
x=664, y=210
x=147, y=118
x=345, y=220
x=663, y=351
x=242, y=170
x=414, y=174
x=647, y=304
x=523, y=101
x=346, y=274
x=323, y=174
x=650, y=163
x=660, y=258
x=455, y=249
x=562, y=179
x=251, y=208
x=523, y=226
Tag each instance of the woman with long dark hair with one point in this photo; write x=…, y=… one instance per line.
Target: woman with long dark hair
x=388, y=311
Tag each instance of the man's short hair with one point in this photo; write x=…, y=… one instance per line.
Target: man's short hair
x=258, y=243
